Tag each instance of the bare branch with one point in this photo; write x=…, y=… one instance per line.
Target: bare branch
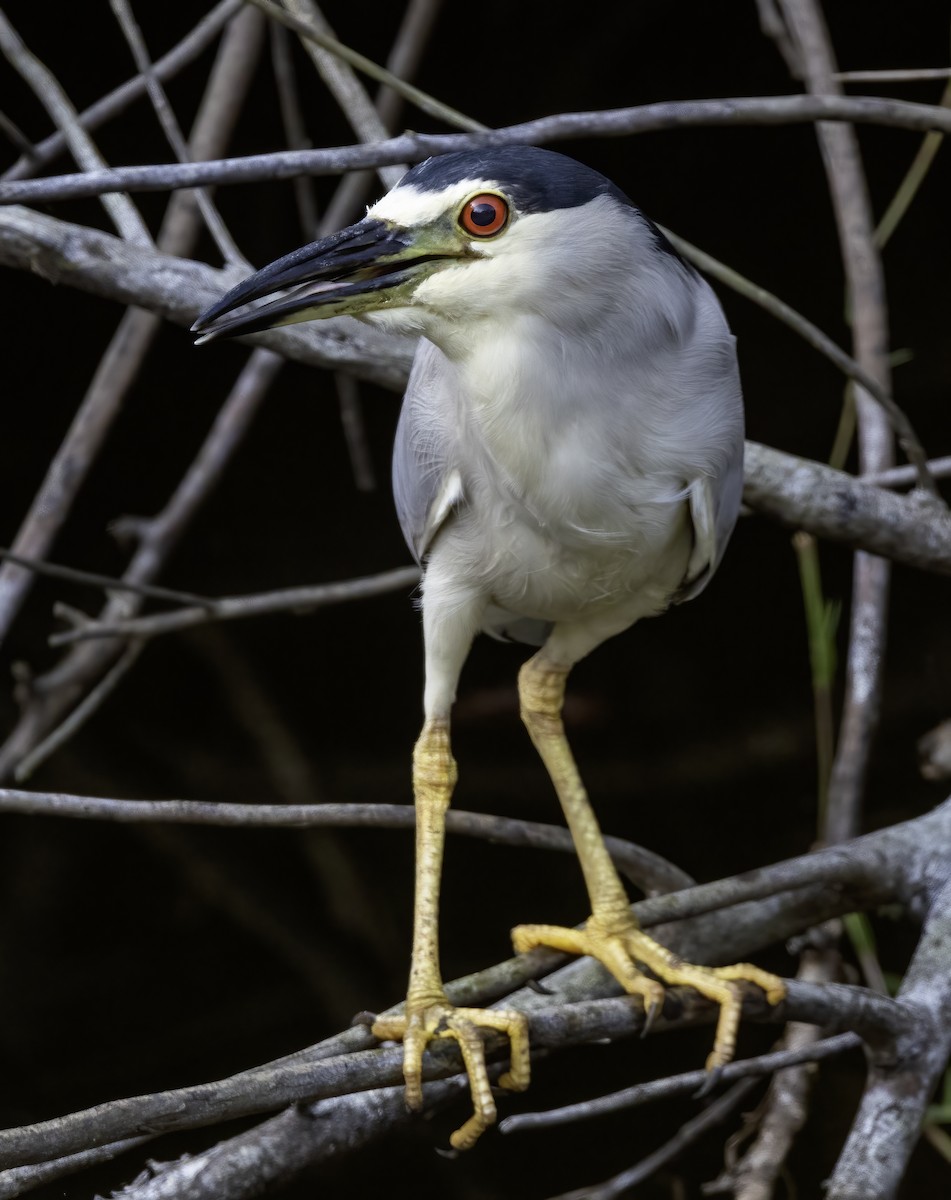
x=680, y=1085
x=178, y=289
x=99, y=691
x=820, y=341
x=122, y=212
x=899, y=1087
x=646, y=870
x=426, y=103
x=406, y=54
x=105, y=582
x=165, y=68
x=275, y=1151
x=353, y=1062
x=869, y=318
x=343, y=85
x=900, y=75
x=413, y=147
x=802, y=494
x=403, y=60
x=172, y=130
x=784, y=1108
x=227, y=82
x=17, y=1180
x=938, y=468
x=13, y=133
x=52, y=697
x=690, y=1132
x=297, y=600
x=295, y=129
x=343, y=1063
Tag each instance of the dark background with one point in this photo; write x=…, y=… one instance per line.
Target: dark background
x=135, y=959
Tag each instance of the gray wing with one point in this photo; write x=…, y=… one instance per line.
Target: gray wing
x=715, y=495
x=714, y=506
x=427, y=484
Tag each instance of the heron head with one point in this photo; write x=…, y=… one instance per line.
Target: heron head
x=477, y=235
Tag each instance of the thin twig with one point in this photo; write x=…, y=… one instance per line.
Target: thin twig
x=645, y=869
x=406, y=54
x=295, y=129
x=351, y=419
x=403, y=61
x=104, y=582
x=426, y=103
x=837, y=867
x=899, y=75
x=122, y=212
x=297, y=600
x=820, y=341
x=54, y=694
x=679, y=1085
x=172, y=130
x=228, y=80
x=116, y=101
x=343, y=84
x=91, y=701
x=690, y=1132
x=895, y=477
x=15, y=134
x=357, y=107
x=914, y=177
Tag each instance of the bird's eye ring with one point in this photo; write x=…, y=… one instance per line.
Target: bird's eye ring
x=484, y=215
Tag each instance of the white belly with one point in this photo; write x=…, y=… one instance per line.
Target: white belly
x=556, y=575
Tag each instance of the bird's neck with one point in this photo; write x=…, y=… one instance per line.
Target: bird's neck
x=526, y=394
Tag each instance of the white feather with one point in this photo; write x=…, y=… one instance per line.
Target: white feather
x=570, y=448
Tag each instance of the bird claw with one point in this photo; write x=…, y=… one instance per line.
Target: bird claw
x=652, y=1007
x=620, y=945
x=440, y=1019
x=712, y=1081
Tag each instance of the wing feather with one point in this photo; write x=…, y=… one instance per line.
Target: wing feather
x=427, y=484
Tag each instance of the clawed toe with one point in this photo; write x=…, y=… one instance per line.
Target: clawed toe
x=464, y=1025
x=623, y=948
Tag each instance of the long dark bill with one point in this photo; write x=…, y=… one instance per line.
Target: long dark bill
x=339, y=274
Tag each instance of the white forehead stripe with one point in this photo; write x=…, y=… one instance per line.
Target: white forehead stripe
x=407, y=205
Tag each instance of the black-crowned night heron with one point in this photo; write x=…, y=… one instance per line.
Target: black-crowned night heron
x=568, y=460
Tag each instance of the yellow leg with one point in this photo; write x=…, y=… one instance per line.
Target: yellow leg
x=611, y=934
x=428, y=1013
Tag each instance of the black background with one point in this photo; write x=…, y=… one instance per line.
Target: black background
x=134, y=959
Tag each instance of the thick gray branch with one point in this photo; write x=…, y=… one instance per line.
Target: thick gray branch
x=902, y=1075
x=802, y=494
x=179, y=289
x=345, y=1063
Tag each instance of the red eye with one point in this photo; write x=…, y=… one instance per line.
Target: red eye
x=484, y=215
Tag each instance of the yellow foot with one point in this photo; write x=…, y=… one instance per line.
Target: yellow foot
x=440, y=1019
x=621, y=945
